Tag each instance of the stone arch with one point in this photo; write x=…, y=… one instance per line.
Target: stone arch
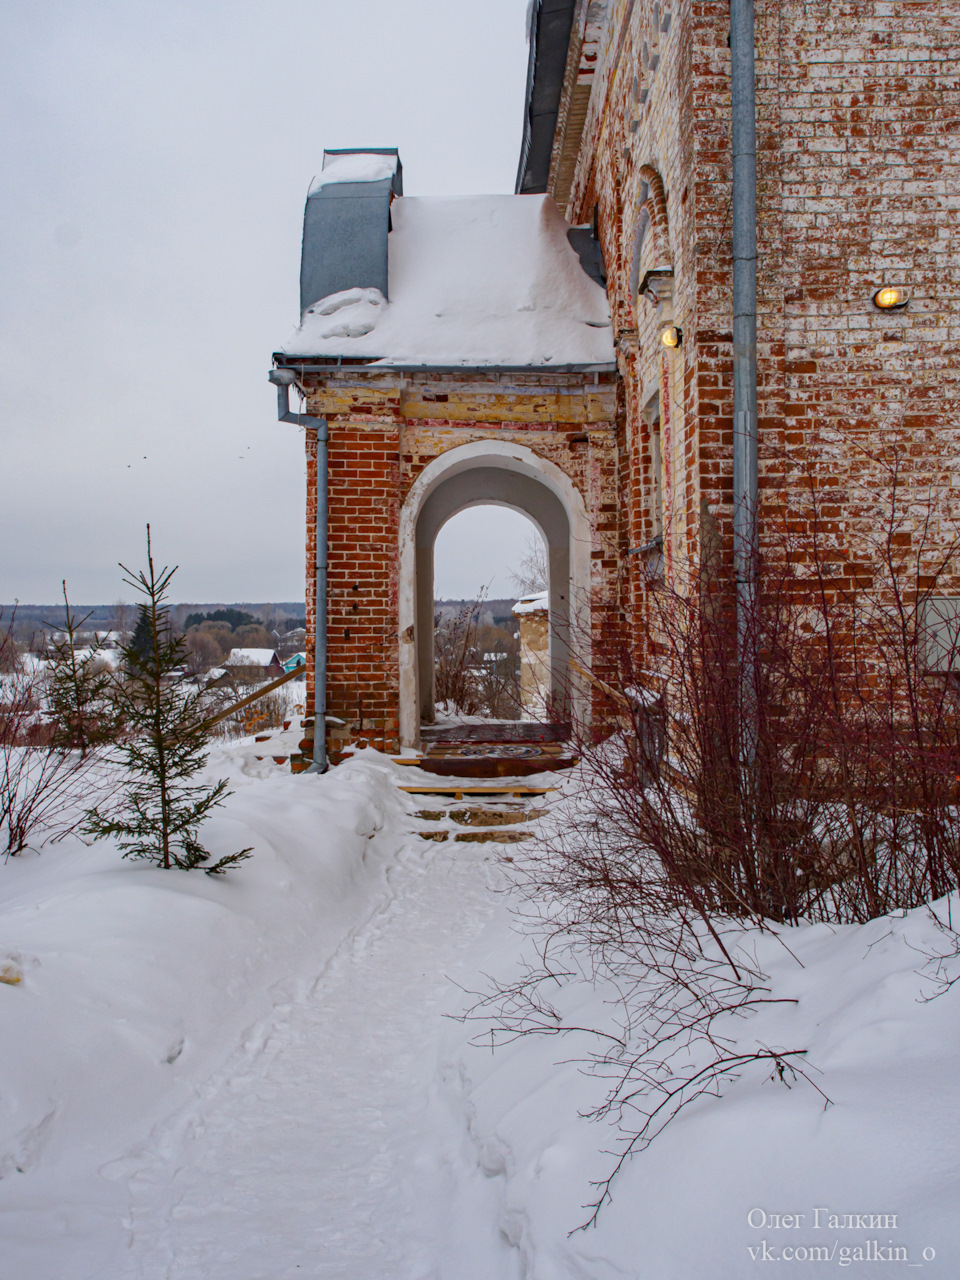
x=652, y=217
x=498, y=473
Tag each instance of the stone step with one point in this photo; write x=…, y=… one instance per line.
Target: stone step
x=458, y=791
x=482, y=816
x=494, y=835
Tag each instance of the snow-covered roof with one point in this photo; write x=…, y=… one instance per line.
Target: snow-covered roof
x=473, y=280
x=109, y=657
x=538, y=603
x=251, y=658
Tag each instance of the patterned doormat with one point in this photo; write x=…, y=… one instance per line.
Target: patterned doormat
x=501, y=750
x=510, y=731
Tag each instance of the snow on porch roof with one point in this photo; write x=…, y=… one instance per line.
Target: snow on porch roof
x=473, y=281
x=539, y=603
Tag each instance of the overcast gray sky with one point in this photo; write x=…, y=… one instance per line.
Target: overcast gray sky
x=154, y=160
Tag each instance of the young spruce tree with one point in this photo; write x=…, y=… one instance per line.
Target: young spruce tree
x=162, y=807
x=80, y=691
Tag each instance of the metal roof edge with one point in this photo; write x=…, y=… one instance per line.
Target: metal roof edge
x=334, y=363
x=551, y=29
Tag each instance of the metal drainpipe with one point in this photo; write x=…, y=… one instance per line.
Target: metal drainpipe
x=283, y=379
x=745, y=482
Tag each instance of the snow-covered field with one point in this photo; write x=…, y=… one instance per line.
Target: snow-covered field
x=253, y=1078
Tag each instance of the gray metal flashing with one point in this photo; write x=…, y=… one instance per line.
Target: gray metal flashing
x=345, y=229
x=551, y=27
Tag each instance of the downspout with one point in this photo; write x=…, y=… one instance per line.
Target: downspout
x=745, y=481
x=283, y=379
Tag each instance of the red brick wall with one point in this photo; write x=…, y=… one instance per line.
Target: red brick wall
x=858, y=109
x=363, y=505
x=379, y=443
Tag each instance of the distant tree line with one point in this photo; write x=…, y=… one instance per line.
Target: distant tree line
x=240, y=618
x=31, y=624
x=233, y=617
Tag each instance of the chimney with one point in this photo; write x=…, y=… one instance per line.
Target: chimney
x=346, y=221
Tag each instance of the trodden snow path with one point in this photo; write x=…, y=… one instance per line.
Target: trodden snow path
x=324, y=1147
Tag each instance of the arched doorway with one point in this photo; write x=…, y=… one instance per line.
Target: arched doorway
x=488, y=473
x=491, y=652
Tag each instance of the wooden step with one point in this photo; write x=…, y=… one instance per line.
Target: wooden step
x=458, y=792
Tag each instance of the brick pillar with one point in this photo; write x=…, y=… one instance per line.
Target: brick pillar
x=363, y=501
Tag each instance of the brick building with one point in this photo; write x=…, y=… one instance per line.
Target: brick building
x=858, y=185
x=451, y=352
x=441, y=389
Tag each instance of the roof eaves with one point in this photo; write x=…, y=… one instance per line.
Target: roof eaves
x=550, y=32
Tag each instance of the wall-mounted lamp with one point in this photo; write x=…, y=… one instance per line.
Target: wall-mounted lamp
x=671, y=336
x=890, y=298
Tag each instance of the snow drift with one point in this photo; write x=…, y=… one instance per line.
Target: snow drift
x=257, y=1078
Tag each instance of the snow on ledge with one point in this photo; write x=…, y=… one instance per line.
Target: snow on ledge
x=351, y=313
x=473, y=281
x=538, y=603
x=358, y=166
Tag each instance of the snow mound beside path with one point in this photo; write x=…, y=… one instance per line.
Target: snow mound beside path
x=766, y=1172
x=137, y=982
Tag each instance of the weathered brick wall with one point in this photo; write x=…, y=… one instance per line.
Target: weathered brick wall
x=383, y=430
x=858, y=111
x=869, y=106
x=636, y=172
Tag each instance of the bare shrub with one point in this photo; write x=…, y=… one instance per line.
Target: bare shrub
x=532, y=573
x=826, y=787
x=476, y=666
x=253, y=637
x=218, y=634
x=10, y=659
x=455, y=674
x=205, y=648
x=42, y=784
x=677, y=983
x=800, y=762
x=268, y=712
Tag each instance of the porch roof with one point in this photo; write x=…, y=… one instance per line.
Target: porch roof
x=474, y=281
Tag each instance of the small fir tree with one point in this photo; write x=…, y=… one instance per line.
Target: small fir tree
x=162, y=808
x=80, y=690
x=142, y=641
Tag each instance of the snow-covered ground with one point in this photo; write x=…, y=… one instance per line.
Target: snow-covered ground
x=254, y=1078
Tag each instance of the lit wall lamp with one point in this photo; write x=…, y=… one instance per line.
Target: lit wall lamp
x=671, y=336
x=890, y=298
